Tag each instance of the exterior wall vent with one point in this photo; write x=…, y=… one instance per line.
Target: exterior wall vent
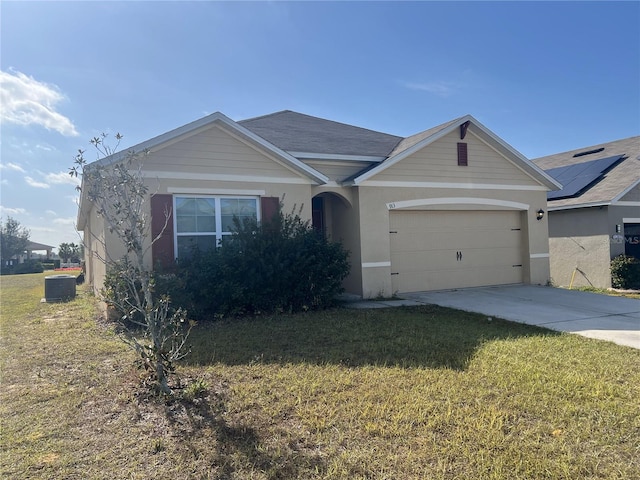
x=463, y=160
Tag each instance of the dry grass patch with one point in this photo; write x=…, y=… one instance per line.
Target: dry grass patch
x=408, y=393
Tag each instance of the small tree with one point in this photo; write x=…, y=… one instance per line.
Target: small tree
x=13, y=239
x=69, y=252
x=117, y=190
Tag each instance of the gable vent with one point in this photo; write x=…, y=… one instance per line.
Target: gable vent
x=588, y=152
x=463, y=160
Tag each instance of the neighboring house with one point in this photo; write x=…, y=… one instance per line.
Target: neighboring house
x=451, y=207
x=596, y=216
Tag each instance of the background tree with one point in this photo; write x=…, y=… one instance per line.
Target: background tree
x=119, y=195
x=69, y=252
x=13, y=239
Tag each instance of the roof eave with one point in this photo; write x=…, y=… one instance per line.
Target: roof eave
x=551, y=208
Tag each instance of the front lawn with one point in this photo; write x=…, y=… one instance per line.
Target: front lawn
x=412, y=393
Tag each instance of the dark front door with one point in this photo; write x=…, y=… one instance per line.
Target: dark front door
x=632, y=239
x=317, y=214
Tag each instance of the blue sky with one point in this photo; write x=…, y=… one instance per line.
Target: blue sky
x=544, y=76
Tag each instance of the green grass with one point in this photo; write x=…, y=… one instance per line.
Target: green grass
x=410, y=393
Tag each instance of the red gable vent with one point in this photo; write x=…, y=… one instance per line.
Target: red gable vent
x=462, y=154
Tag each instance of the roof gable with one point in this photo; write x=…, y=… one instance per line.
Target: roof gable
x=218, y=119
x=419, y=141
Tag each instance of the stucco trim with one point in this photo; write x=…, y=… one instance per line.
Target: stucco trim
x=457, y=201
x=467, y=186
x=539, y=255
x=223, y=177
x=376, y=264
x=216, y=191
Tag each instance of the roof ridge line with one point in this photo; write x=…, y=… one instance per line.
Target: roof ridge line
x=323, y=119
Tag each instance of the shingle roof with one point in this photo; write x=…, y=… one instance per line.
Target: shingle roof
x=418, y=137
x=296, y=132
x=615, y=181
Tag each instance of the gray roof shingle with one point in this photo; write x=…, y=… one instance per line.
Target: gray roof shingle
x=615, y=181
x=296, y=132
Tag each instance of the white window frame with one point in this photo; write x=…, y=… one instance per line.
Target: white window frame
x=219, y=233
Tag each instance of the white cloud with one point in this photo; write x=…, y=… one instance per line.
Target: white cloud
x=26, y=101
x=46, y=148
x=439, y=88
x=12, y=166
x=34, y=183
x=51, y=213
x=62, y=178
x=12, y=211
x=65, y=221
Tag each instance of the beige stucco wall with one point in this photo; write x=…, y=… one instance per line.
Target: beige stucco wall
x=216, y=161
x=337, y=171
x=438, y=162
x=374, y=227
x=579, y=242
x=584, y=240
x=431, y=179
x=212, y=162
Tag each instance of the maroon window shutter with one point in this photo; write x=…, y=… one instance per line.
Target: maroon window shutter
x=462, y=154
x=269, y=208
x=162, y=251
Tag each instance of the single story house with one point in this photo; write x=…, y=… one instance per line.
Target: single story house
x=450, y=207
x=596, y=215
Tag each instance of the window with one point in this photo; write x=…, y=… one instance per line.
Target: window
x=203, y=221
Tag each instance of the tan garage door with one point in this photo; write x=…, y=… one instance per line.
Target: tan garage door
x=436, y=250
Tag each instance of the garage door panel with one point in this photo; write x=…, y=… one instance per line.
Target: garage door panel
x=454, y=249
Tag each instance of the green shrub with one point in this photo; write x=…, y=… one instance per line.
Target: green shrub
x=29, y=266
x=625, y=272
x=277, y=266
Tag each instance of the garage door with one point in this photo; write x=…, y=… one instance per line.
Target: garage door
x=436, y=250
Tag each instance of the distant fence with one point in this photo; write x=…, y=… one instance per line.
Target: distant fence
x=69, y=265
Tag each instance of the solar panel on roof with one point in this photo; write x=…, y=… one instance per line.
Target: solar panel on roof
x=576, y=178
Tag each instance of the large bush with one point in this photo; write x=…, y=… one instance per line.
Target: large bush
x=625, y=272
x=275, y=266
x=29, y=266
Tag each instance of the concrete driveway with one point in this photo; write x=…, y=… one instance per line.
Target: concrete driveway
x=592, y=315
